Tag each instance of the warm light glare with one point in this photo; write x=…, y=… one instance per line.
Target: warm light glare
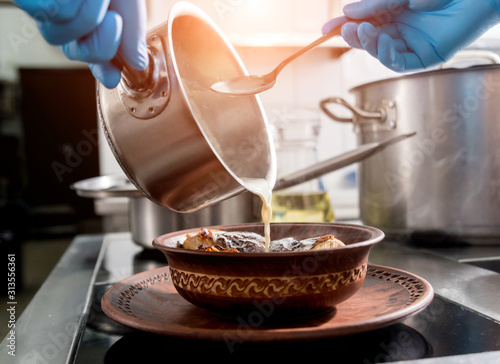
x=268, y=23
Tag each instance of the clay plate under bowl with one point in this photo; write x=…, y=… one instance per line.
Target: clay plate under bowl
x=283, y=285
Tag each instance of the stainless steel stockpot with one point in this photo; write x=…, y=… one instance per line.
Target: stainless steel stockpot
x=148, y=220
x=445, y=182
x=182, y=145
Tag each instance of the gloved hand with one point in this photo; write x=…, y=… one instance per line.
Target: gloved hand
x=93, y=31
x=408, y=35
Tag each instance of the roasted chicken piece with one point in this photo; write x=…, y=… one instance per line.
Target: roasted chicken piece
x=291, y=244
x=225, y=241
x=324, y=242
x=217, y=249
x=216, y=240
x=203, y=239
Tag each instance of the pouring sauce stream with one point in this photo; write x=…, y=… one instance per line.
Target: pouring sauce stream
x=262, y=188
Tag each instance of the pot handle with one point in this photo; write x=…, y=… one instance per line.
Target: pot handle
x=138, y=80
x=106, y=186
x=146, y=93
x=379, y=114
x=353, y=156
x=472, y=55
x=385, y=116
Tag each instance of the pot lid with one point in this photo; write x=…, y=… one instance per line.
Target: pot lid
x=106, y=186
x=444, y=69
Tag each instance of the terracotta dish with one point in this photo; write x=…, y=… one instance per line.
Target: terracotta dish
x=149, y=302
x=286, y=285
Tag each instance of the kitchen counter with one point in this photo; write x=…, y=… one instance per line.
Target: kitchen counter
x=65, y=324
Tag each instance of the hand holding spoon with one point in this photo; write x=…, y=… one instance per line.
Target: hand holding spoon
x=253, y=84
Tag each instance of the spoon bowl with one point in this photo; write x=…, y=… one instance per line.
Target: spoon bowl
x=246, y=85
x=254, y=84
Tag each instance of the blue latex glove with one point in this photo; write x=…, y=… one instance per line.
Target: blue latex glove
x=93, y=31
x=407, y=35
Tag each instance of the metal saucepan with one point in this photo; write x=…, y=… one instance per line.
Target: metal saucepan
x=148, y=219
x=444, y=184
x=182, y=145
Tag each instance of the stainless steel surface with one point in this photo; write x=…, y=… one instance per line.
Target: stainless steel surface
x=50, y=328
x=446, y=179
x=106, y=186
x=149, y=220
x=466, y=254
x=254, y=84
x=194, y=153
x=472, y=287
x=93, y=263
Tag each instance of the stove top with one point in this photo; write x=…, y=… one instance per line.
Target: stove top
x=462, y=322
x=445, y=329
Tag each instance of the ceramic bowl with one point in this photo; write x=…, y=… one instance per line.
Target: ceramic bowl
x=272, y=285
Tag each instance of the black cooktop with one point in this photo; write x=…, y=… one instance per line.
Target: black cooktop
x=444, y=329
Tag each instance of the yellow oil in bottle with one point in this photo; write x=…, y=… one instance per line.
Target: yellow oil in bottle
x=301, y=207
x=296, y=139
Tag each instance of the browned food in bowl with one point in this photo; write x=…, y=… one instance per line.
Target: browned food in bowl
x=250, y=242
x=286, y=283
x=317, y=243
x=224, y=241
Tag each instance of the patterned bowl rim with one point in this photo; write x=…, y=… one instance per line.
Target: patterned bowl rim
x=378, y=235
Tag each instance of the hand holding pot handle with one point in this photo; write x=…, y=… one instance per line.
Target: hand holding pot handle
x=94, y=31
x=416, y=34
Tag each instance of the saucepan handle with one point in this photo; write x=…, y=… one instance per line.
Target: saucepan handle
x=138, y=80
x=319, y=169
x=145, y=93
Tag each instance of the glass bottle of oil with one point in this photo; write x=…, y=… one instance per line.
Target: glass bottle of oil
x=296, y=137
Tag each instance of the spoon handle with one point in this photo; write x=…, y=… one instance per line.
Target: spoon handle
x=332, y=33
